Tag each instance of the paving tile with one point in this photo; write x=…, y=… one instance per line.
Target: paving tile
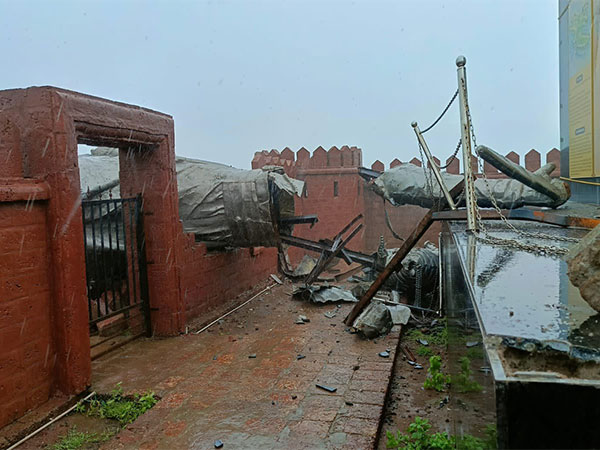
x=265, y=402
x=365, y=427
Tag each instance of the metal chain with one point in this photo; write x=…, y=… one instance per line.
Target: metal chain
x=442, y=114
x=426, y=171
x=453, y=157
x=486, y=237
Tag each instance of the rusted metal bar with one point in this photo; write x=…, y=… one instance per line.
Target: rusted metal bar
x=319, y=247
x=548, y=217
x=396, y=261
x=297, y=220
x=336, y=250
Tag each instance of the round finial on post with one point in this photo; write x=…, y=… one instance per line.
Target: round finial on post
x=414, y=124
x=461, y=61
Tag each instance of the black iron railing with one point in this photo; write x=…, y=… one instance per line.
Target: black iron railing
x=115, y=259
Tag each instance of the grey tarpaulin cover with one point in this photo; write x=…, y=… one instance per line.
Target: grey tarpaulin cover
x=406, y=184
x=217, y=203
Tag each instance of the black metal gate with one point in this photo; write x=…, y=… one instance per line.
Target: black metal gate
x=115, y=258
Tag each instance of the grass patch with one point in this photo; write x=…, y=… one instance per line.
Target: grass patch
x=76, y=439
x=117, y=406
x=418, y=437
x=424, y=351
x=437, y=336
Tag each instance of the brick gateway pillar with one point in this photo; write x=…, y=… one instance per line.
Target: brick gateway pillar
x=49, y=124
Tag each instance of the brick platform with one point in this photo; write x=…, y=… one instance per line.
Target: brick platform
x=211, y=389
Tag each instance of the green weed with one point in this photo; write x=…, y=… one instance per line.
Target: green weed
x=117, y=407
x=437, y=336
x=76, y=439
x=435, y=378
x=424, y=351
x=417, y=437
x=463, y=381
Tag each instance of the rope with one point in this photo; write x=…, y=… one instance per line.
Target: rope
x=441, y=115
x=579, y=181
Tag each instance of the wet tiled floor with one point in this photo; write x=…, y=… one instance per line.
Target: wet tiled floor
x=212, y=387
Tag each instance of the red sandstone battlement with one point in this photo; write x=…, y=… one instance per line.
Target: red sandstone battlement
x=291, y=161
x=533, y=161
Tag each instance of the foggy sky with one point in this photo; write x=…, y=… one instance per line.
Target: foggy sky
x=243, y=76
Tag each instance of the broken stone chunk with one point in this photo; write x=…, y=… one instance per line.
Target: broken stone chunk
x=218, y=443
x=375, y=320
x=583, y=262
x=385, y=354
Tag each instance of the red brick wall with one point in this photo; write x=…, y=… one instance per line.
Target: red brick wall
x=210, y=279
x=44, y=332
x=27, y=354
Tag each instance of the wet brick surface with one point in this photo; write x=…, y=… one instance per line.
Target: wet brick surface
x=210, y=389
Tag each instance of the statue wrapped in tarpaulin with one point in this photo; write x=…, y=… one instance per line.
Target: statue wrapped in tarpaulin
x=219, y=204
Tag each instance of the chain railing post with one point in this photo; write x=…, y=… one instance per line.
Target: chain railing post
x=465, y=131
x=433, y=165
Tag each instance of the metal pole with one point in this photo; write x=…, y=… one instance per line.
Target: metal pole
x=434, y=167
x=465, y=131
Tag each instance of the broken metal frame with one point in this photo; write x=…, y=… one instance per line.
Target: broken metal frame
x=337, y=248
x=396, y=261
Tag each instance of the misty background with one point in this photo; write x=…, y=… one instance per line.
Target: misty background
x=244, y=76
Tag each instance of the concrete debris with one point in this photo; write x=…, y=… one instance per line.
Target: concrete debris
x=385, y=354
x=305, y=267
x=324, y=294
x=302, y=320
x=583, y=262
x=400, y=314
x=218, y=443
x=374, y=321
x=276, y=279
x=330, y=314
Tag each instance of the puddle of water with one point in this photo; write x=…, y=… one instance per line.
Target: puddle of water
x=525, y=295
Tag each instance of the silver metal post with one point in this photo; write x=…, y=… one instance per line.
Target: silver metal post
x=465, y=131
x=434, y=167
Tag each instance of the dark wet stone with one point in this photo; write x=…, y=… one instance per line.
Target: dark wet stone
x=326, y=388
